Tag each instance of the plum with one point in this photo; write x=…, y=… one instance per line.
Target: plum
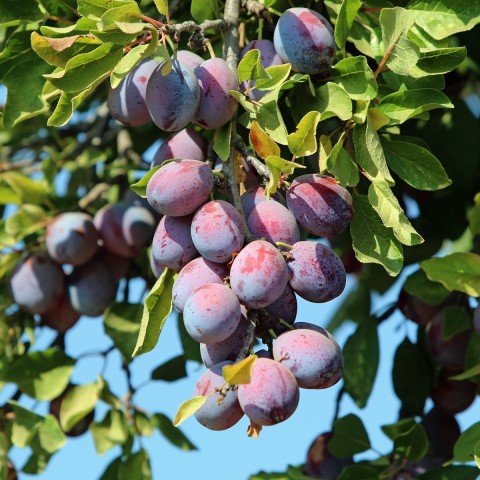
x=453, y=396
x=119, y=265
x=155, y=267
x=127, y=102
x=416, y=309
x=92, y=287
x=72, y=238
x=272, y=221
x=172, y=244
x=216, y=105
x=61, y=316
x=211, y=313
x=188, y=58
x=254, y=196
x=320, y=205
x=271, y=396
x=196, y=274
x=180, y=187
x=227, y=349
x=36, y=283
x=442, y=431
x=259, y=274
x=304, y=38
x=186, y=143
x=172, y=99
x=317, y=274
x=217, y=231
x=219, y=412
x=285, y=307
x=312, y=357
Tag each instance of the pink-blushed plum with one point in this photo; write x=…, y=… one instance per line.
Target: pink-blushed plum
x=476, y=320
x=304, y=38
x=72, y=238
x=320, y=205
x=416, y=309
x=317, y=273
x=259, y=274
x=172, y=244
x=219, y=412
x=187, y=143
x=216, y=106
x=285, y=307
x=180, y=187
x=268, y=58
x=192, y=276
x=211, y=313
x=311, y=356
x=189, y=59
x=254, y=196
x=217, y=231
x=227, y=349
x=36, y=283
x=126, y=102
x=173, y=99
x=92, y=287
x=453, y=396
x=271, y=396
x=274, y=222
x=155, y=267
x=442, y=431
x=448, y=353
x=119, y=265
x=61, y=316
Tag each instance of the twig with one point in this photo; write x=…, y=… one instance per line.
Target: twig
x=338, y=400
x=247, y=344
x=257, y=164
x=258, y=9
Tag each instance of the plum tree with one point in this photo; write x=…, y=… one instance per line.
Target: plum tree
x=271, y=396
x=216, y=106
x=317, y=274
x=61, y=316
x=320, y=205
x=72, y=238
x=190, y=59
x=442, y=431
x=453, y=396
x=311, y=356
x=254, y=196
x=272, y=221
x=172, y=99
x=259, y=274
x=220, y=411
x=196, y=274
x=212, y=313
x=92, y=287
x=127, y=102
x=304, y=38
x=172, y=244
x=285, y=307
x=187, y=143
x=37, y=283
x=416, y=309
x=217, y=231
x=180, y=187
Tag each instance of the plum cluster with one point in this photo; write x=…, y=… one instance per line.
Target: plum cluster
x=227, y=286
x=85, y=259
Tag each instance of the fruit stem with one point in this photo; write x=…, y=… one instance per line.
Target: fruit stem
x=283, y=245
x=285, y=324
x=272, y=333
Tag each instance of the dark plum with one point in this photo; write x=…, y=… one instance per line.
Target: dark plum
x=453, y=396
x=196, y=274
x=262, y=353
x=254, y=196
x=320, y=205
x=172, y=244
x=127, y=102
x=173, y=99
x=186, y=143
x=304, y=38
x=272, y=221
x=317, y=274
x=119, y=265
x=180, y=187
x=219, y=412
x=416, y=309
x=216, y=106
x=61, y=316
x=285, y=307
x=271, y=396
x=92, y=287
x=259, y=274
x=211, y=313
x=190, y=59
x=37, y=283
x=312, y=357
x=442, y=431
x=72, y=238
x=217, y=231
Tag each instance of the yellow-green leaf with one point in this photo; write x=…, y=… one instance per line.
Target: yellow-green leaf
x=303, y=141
x=162, y=6
x=188, y=408
x=261, y=142
x=239, y=373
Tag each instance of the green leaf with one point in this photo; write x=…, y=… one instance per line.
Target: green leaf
x=413, y=444
x=349, y=437
x=430, y=292
x=346, y=16
x=96, y=8
x=474, y=216
x=403, y=105
x=77, y=404
x=50, y=437
x=277, y=165
x=356, y=77
x=202, y=10
x=26, y=220
x=271, y=120
x=452, y=472
x=188, y=408
x=372, y=241
x=30, y=191
x=20, y=10
x=173, y=434
x=359, y=472
x=465, y=445
x=361, y=355
x=415, y=165
x=140, y=187
x=303, y=141
x=111, y=431
x=388, y=208
x=403, y=425
x=171, y=370
x=467, y=374
x=441, y=60
x=221, y=141
x=250, y=67
x=162, y=6
x=276, y=75
x=189, y=345
x=128, y=12
x=341, y=165
x=457, y=271
x=24, y=425
x=158, y=306
x=476, y=454
x=332, y=100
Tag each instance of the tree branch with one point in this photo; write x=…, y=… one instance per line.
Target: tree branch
x=258, y=9
x=257, y=164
